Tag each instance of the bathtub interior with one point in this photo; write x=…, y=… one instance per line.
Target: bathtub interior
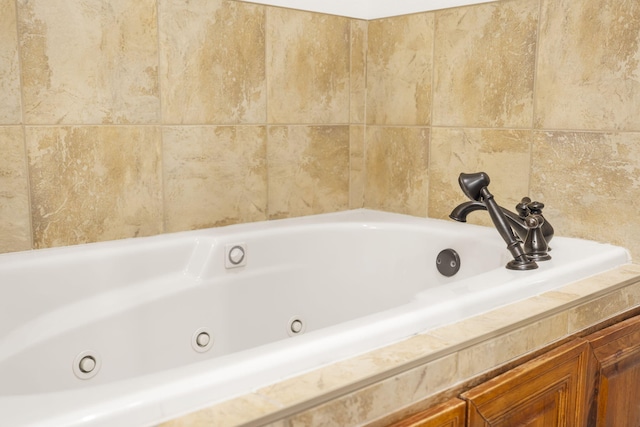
x=137, y=305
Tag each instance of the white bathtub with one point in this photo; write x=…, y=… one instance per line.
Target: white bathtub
x=356, y=280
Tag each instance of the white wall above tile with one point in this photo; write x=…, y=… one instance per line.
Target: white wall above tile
x=368, y=9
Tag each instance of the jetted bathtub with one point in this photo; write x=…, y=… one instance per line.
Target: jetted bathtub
x=134, y=332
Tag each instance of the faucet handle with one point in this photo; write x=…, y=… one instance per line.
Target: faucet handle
x=535, y=245
x=523, y=207
x=536, y=207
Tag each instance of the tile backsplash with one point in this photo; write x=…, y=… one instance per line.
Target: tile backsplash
x=540, y=94
x=129, y=118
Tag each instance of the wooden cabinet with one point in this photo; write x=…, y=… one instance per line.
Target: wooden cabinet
x=617, y=350
x=448, y=414
x=555, y=389
x=591, y=381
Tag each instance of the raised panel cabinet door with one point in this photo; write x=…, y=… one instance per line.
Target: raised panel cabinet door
x=555, y=389
x=617, y=348
x=448, y=414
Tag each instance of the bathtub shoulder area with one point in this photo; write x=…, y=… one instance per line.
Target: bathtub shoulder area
x=365, y=389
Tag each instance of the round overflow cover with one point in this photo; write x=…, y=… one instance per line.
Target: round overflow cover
x=448, y=262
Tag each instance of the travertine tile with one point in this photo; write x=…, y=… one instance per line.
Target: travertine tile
x=234, y=412
x=496, y=351
x=530, y=307
x=212, y=68
x=380, y=398
x=15, y=228
x=353, y=370
x=309, y=385
x=358, y=73
x=481, y=357
x=89, y=62
x=547, y=330
x=308, y=170
x=589, y=65
x=308, y=57
x=214, y=175
x=599, y=283
x=10, y=112
x=597, y=310
x=470, y=328
x=94, y=183
x=631, y=295
x=492, y=350
x=356, y=166
x=399, y=70
x=484, y=64
x=588, y=182
x=503, y=154
x=396, y=162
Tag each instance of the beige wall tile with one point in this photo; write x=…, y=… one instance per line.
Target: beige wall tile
x=356, y=166
x=399, y=70
x=212, y=68
x=214, y=175
x=308, y=170
x=15, y=227
x=308, y=57
x=484, y=64
x=10, y=111
x=588, y=73
x=89, y=62
x=358, y=73
x=94, y=183
x=589, y=184
x=503, y=154
x=396, y=161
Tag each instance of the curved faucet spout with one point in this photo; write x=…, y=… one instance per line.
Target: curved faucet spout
x=518, y=224
x=460, y=212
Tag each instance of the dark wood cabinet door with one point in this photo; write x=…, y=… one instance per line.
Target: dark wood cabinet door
x=555, y=389
x=448, y=414
x=617, y=348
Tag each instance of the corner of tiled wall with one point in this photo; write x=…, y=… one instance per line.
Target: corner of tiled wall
x=441, y=81
x=357, y=112
x=398, y=113
x=125, y=119
x=15, y=226
x=542, y=95
x=585, y=160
